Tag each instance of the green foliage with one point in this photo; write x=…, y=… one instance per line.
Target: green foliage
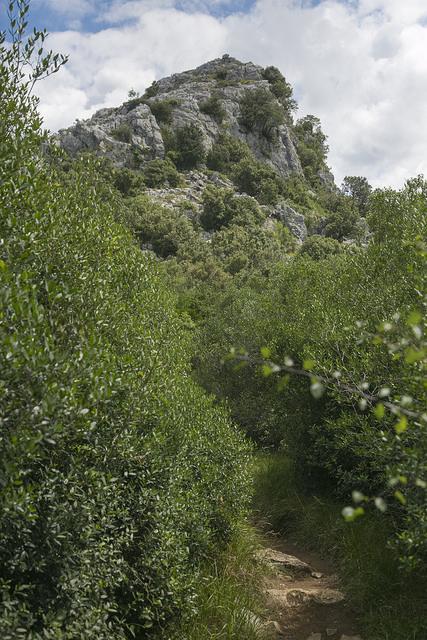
x=246, y=248
x=213, y=107
x=281, y=89
x=119, y=476
x=221, y=207
x=359, y=190
x=258, y=180
x=225, y=153
x=259, y=111
x=312, y=310
x=368, y=568
x=127, y=181
x=165, y=229
x=162, y=110
x=160, y=173
x=311, y=146
x=152, y=90
x=319, y=247
x=185, y=146
x=122, y=132
x=232, y=599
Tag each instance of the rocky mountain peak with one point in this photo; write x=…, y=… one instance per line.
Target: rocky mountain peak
x=208, y=98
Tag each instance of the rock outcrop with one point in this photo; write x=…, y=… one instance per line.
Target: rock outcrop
x=131, y=135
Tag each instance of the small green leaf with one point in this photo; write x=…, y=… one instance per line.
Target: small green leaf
x=283, y=382
x=266, y=370
x=402, y=425
x=309, y=365
x=400, y=497
x=415, y=317
x=379, y=411
x=357, y=496
x=265, y=353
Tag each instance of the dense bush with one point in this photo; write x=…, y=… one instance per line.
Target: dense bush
x=359, y=190
x=281, y=89
x=258, y=180
x=221, y=207
x=226, y=152
x=152, y=90
x=185, y=146
x=319, y=247
x=161, y=173
x=311, y=146
x=165, y=229
x=213, y=107
x=127, y=181
x=261, y=112
x=118, y=474
x=162, y=110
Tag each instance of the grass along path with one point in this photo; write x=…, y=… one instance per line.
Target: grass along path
x=388, y=603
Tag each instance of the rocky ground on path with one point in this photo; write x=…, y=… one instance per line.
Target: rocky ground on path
x=304, y=597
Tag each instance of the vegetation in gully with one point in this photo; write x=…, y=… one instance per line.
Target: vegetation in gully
x=195, y=337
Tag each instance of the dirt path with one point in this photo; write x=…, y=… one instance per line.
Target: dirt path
x=304, y=597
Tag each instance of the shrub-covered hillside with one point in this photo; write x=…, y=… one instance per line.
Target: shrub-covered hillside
x=181, y=276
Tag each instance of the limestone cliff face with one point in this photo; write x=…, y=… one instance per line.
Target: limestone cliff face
x=132, y=132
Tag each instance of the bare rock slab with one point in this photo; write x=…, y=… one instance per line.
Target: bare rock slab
x=284, y=562
x=301, y=597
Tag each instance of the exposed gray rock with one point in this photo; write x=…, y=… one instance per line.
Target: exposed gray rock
x=195, y=184
x=140, y=137
x=292, y=219
x=327, y=178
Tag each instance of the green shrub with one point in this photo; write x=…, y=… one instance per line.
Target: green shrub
x=119, y=476
x=213, y=107
x=160, y=173
x=162, y=110
x=152, y=90
x=226, y=152
x=260, y=111
x=221, y=207
x=258, y=180
x=319, y=247
x=166, y=229
x=189, y=146
x=128, y=181
x=281, y=89
x=122, y=132
x=311, y=146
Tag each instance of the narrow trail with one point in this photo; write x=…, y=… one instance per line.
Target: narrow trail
x=304, y=597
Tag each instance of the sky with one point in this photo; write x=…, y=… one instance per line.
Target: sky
x=359, y=65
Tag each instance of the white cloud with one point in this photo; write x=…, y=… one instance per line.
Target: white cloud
x=360, y=66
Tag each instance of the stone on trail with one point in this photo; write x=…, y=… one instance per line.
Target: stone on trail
x=317, y=575
x=284, y=562
x=315, y=636
x=331, y=632
x=299, y=597
x=344, y=637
